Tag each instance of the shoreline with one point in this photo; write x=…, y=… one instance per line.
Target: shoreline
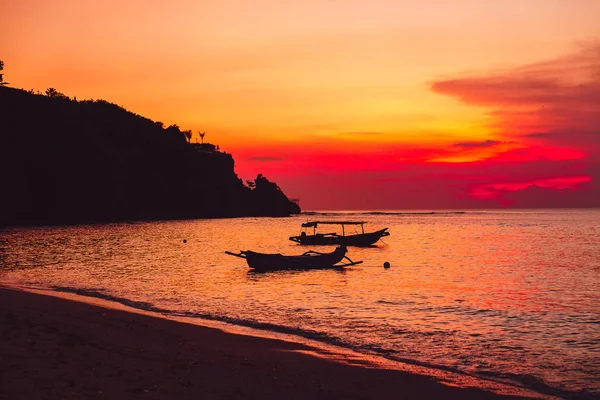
x=58, y=345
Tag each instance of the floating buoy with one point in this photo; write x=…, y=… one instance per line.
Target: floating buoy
x=184, y=241
x=386, y=265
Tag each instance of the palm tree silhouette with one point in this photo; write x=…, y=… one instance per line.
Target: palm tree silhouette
x=202, y=136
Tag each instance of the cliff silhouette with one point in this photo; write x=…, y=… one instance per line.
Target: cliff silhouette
x=65, y=161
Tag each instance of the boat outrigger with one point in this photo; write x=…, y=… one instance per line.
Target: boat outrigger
x=359, y=239
x=308, y=260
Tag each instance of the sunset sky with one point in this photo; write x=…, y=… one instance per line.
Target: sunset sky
x=377, y=104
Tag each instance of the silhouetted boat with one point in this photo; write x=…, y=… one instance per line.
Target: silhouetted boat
x=308, y=260
x=359, y=239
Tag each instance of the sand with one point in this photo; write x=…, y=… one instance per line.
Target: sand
x=55, y=348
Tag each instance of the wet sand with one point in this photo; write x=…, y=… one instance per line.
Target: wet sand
x=54, y=348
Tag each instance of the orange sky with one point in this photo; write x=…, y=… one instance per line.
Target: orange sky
x=346, y=104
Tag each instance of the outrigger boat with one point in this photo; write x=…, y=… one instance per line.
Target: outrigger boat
x=359, y=239
x=308, y=260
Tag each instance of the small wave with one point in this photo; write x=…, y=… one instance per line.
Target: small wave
x=99, y=293
x=535, y=383
x=396, y=303
x=409, y=332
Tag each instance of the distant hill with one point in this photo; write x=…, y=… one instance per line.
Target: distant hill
x=65, y=161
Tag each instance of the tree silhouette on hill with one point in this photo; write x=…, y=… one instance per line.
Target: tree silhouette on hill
x=51, y=92
x=188, y=135
x=2, y=75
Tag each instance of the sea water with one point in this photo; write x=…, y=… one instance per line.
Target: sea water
x=509, y=296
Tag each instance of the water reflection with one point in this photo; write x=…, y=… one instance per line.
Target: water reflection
x=257, y=274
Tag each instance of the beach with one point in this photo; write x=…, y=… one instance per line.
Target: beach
x=56, y=348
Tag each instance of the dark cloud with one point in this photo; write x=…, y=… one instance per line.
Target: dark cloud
x=540, y=135
x=485, y=143
x=365, y=133
x=266, y=159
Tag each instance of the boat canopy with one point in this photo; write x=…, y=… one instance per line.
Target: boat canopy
x=314, y=224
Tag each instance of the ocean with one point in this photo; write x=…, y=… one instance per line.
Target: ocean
x=505, y=296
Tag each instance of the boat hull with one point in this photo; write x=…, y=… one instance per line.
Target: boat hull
x=358, y=240
x=306, y=261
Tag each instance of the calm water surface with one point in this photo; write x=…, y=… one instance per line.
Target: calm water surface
x=510, y=296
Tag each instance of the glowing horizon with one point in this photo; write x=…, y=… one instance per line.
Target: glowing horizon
x=346, y=105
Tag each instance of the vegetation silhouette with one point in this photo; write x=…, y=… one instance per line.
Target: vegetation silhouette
x=188, y=135
x=51, y=92
x=2, y=83
x=66, y=162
